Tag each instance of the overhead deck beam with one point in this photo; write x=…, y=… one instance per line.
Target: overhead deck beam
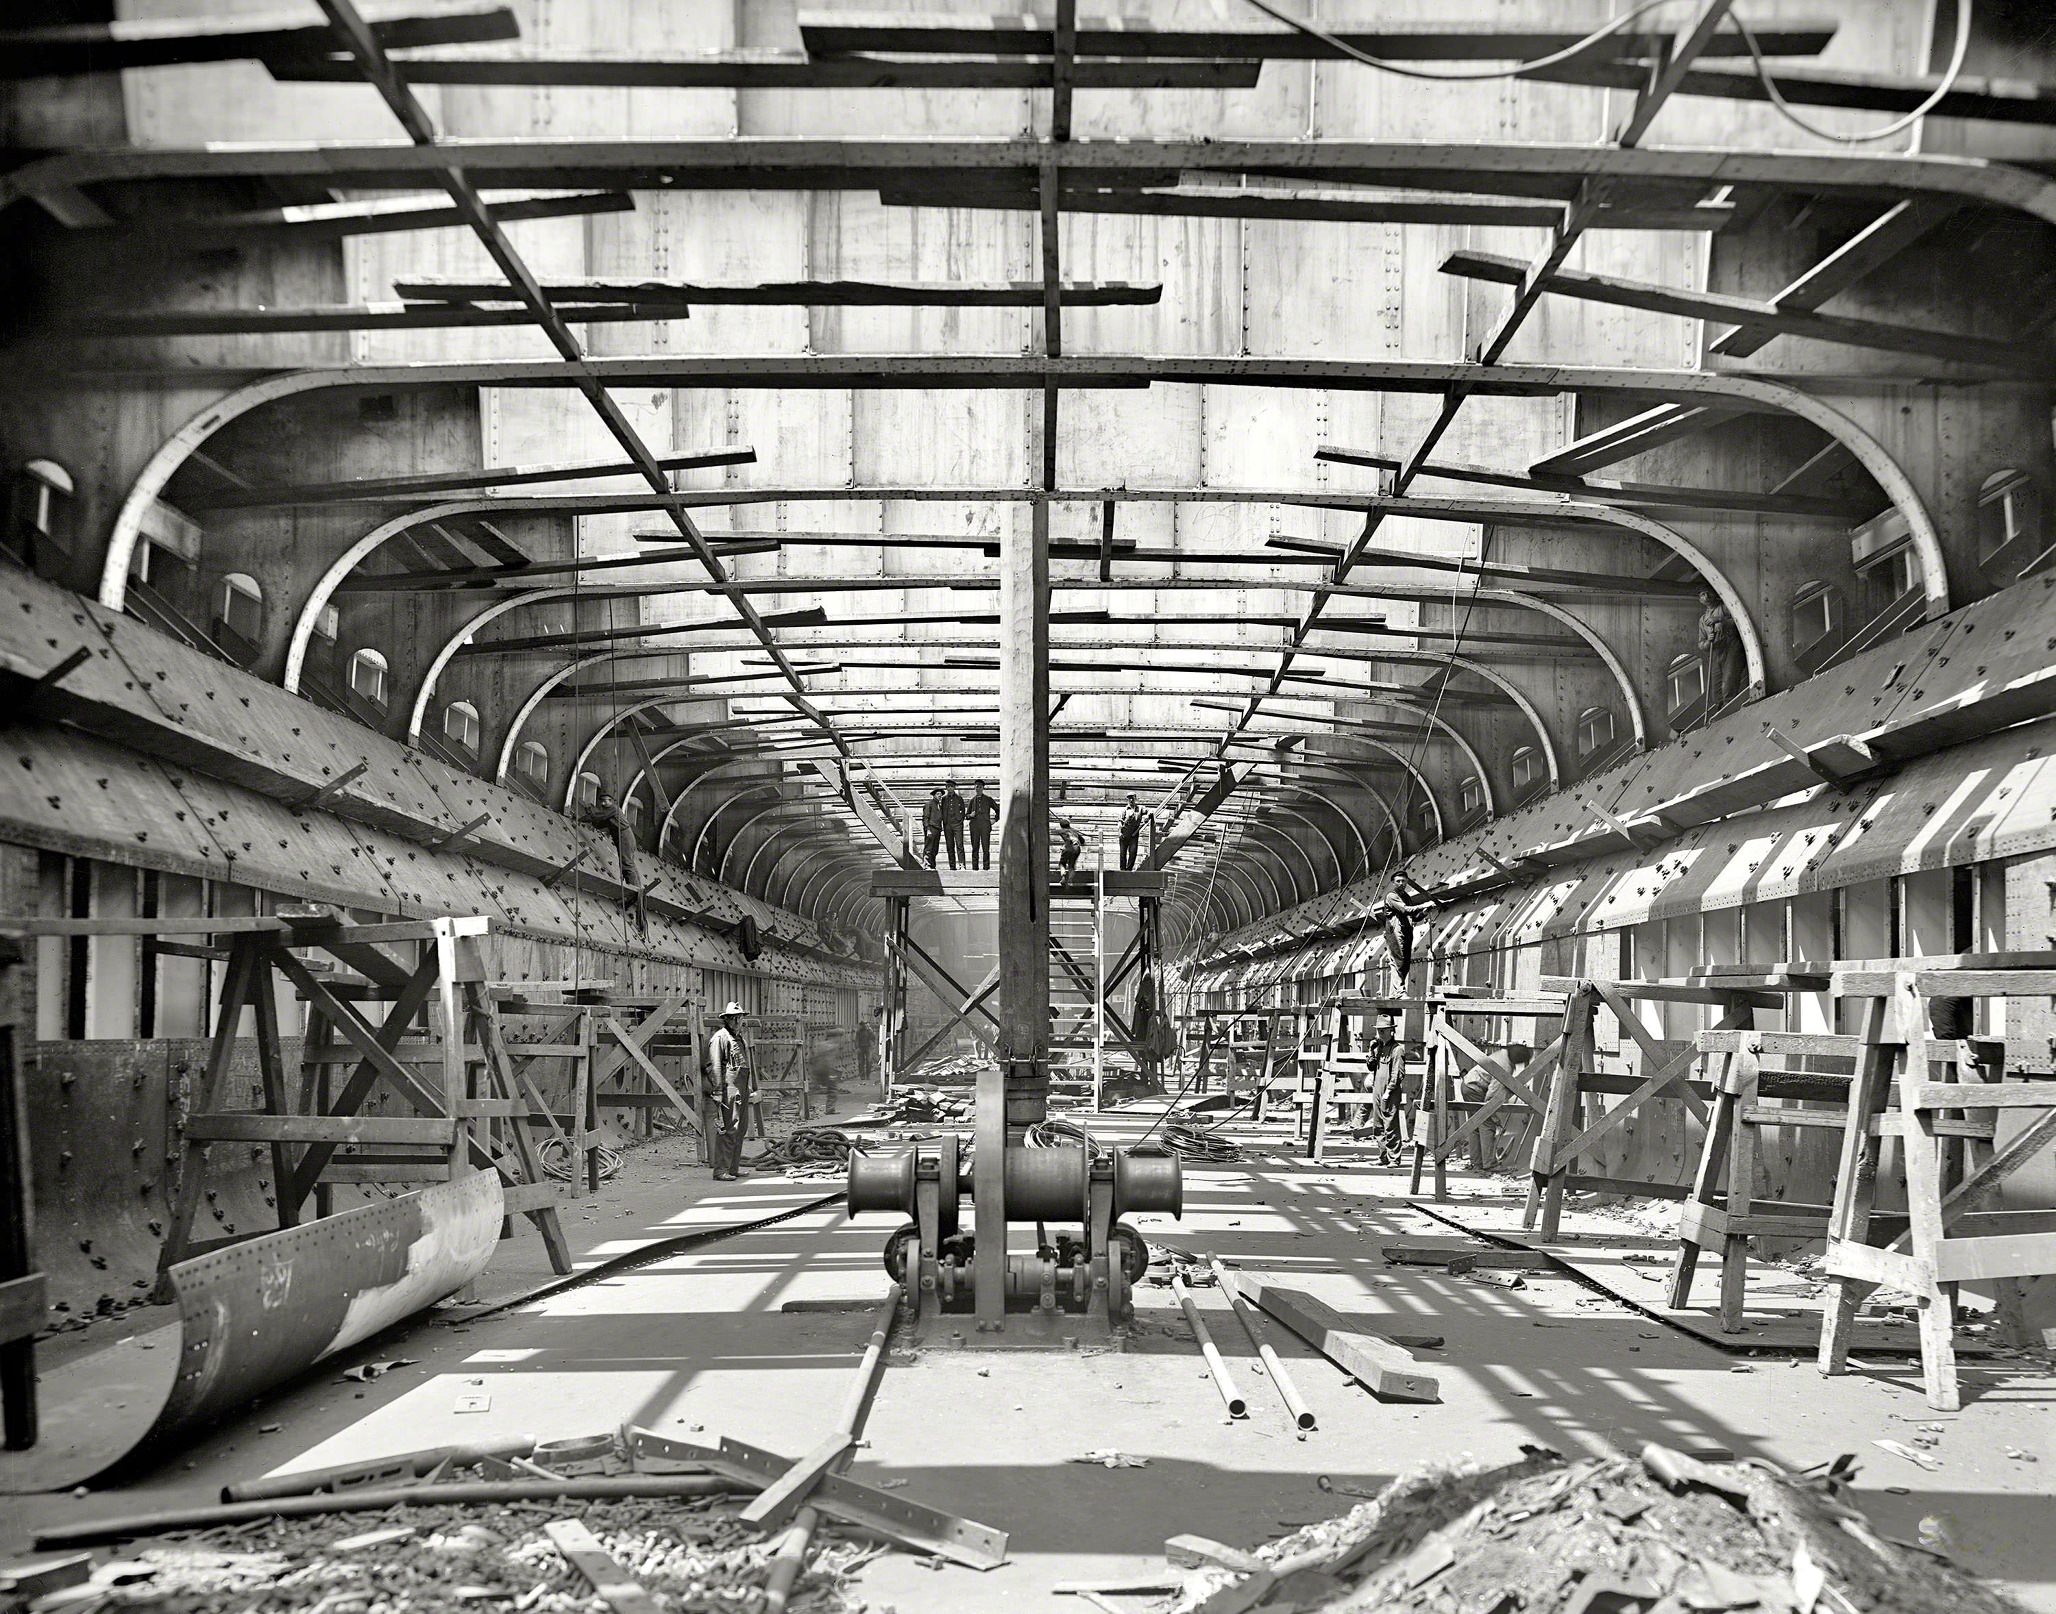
x=66, y=49
x=379, y=489
x=829, y=33
x=329, y=221
x=788, y=70
x=364, y=46
x=795, y=293
x=1767, y=319
x=1969, y=96
x=769, y=163
x=1645, y=495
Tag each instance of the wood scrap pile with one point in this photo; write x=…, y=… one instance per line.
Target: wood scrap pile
x=1659, y=1533
x=430, y=1558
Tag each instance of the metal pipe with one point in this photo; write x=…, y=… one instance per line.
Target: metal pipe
x=1302, y=1414
x=1237, y=1407
x=790, y=1557
x=591, y=1487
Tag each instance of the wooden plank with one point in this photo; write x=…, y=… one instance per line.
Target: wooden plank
x=1383, y=1368
x=1868, y=250
x=229, y=1126
x=794, y=293
x=1925, y=1095
x=332, y=221
x=65, y=49
x=30, y=925
x=913, y=33
x=1990, y=100
x=613, y=1585
x=1768, y=318
x=2020, y=1255
x=787, y=70
x=364, y=489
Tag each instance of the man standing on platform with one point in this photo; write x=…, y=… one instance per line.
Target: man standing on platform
x=1131, y=833
x=728, y=1092
x=953, y=824
x=931, y=826
x=982, y=812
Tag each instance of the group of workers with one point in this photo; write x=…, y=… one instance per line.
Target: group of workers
x=944, y=818
x=947, y=814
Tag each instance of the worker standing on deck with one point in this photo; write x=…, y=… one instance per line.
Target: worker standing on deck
x=953, y=824
x=1721, y=647
x=1131, y=833
x=606, y=814
x=982, y=812
x=931, y=826
x=728, y=1092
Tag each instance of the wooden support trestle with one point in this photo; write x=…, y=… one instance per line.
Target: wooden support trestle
x=438, y=1051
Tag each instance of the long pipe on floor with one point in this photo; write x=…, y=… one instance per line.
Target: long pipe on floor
x=1302, y=1414
x=1237, y=1407
x=790, y=1557
x=370, y=1499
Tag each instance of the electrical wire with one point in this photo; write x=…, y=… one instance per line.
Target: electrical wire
x=1764, y=76
x=1314, y=31
x=1885, y=132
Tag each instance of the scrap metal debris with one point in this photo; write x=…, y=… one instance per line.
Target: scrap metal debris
x=685, y=1552
x=1624, y=1534
x=1107, y=1457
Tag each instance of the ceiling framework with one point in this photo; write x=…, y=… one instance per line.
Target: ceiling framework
x=1363, y=687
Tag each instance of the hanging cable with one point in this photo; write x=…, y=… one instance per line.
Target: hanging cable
x=1314, y=31
x=1884, y=132
x=1762, y=69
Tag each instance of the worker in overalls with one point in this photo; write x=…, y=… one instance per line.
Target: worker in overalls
x=606, y=814
x=931, y=826
x=728, y=1092
x=1131, y=833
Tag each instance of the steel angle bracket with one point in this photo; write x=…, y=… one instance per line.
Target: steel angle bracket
x=926, y=1529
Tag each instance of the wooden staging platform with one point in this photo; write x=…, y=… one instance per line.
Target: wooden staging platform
x=1635, y=1269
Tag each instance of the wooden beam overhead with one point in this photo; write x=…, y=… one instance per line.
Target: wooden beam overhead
x=1648, y=495
x=325, y=221
x=378, y=489
x=115, y=325
x=1636, y=434
x=773, y=162
x=1987, y=100
x=65, y=49
x=1314, y=206
x=788, y=70
x=1863, y=254
x=1766, y=318
x=835, y=33
x=788, y=293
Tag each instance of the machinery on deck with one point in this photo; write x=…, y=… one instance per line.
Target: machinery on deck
x=1091, y=1271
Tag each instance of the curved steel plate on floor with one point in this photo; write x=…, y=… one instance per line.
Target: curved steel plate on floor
x=248, y=1318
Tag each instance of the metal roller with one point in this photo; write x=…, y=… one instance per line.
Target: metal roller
x=1148, y=1182
x=881, y=1182
x=1044, y=1185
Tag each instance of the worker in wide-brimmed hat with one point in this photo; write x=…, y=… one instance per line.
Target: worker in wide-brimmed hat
x=728, y=1093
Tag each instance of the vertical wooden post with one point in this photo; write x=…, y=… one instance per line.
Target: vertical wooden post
x=1922, y=1153
x=1099, y=972
x=1856, y=1180
x=449, y=1003
x=271, y=1072
x=1014, y=1094
x=244, y=961
x=17, y=1210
